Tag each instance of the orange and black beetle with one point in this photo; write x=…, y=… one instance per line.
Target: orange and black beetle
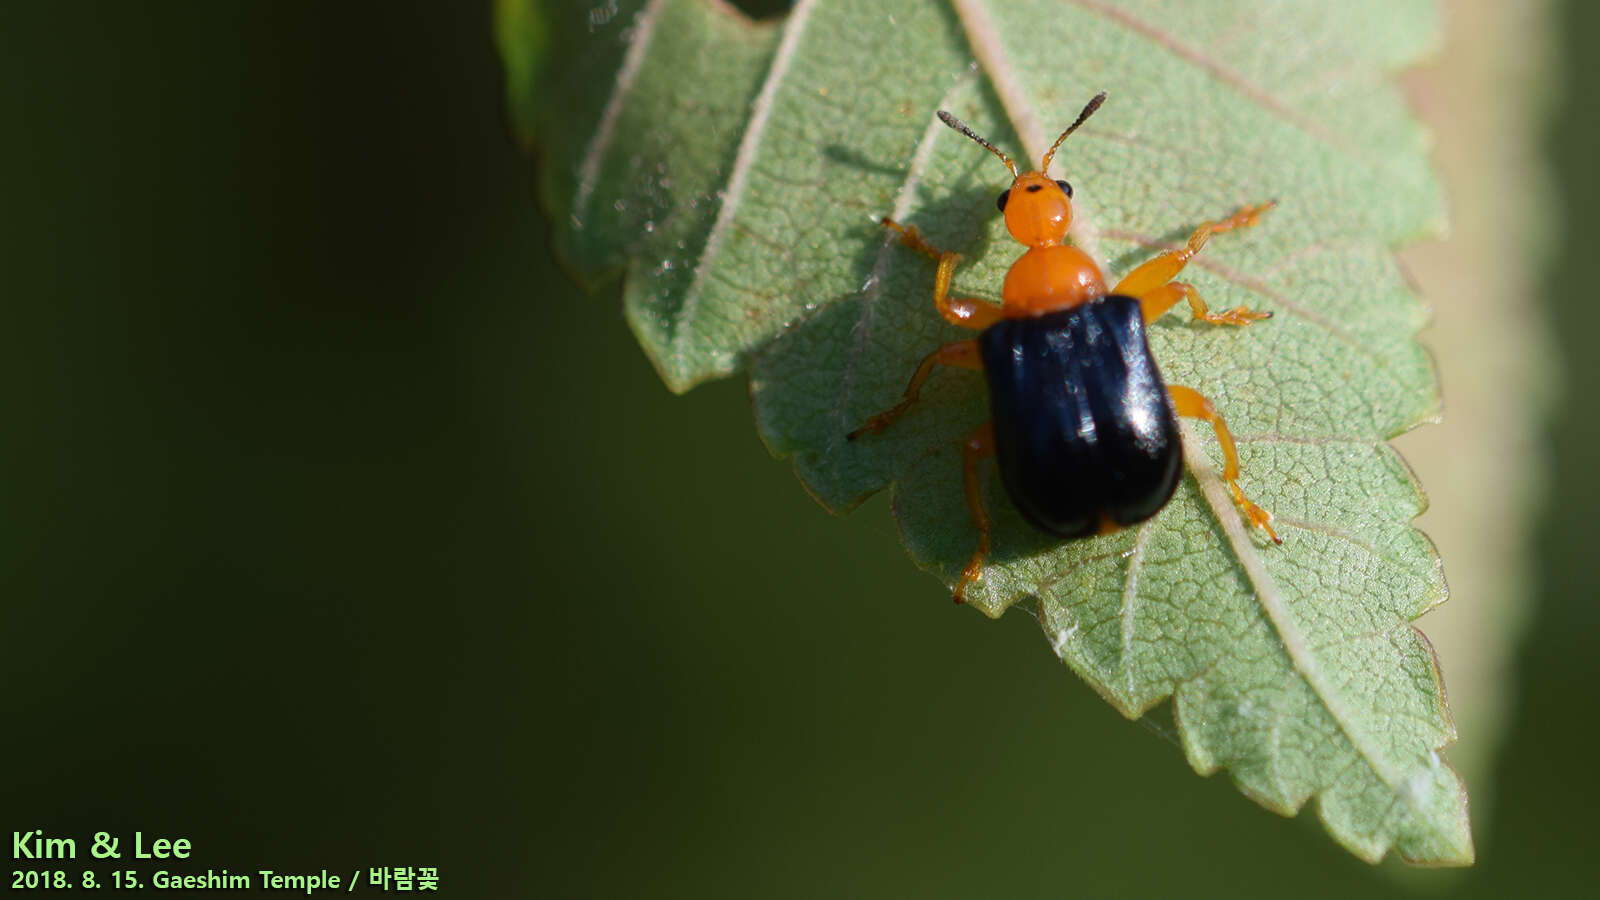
x=1082, y=425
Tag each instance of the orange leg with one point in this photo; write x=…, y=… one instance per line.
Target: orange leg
x=968, y=312
x=980, y=444
x=1163, y=298
x=961, y=354
x=1149, y=282
x=1191, y=404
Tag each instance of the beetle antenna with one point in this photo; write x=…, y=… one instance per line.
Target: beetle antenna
x=961, y=126
x=1088, y=111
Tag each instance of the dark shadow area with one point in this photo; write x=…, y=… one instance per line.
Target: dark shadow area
x=762, y=9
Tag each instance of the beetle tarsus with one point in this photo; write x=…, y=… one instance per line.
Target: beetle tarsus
x=1239, y=315
x=974, y=568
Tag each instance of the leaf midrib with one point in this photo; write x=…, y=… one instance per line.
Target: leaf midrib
x=990, y=52
x=997, y=65
x=1290, y=637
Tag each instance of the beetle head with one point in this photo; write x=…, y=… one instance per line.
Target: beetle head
x=1038, y=210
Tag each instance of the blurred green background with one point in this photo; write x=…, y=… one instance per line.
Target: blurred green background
x=340, y=530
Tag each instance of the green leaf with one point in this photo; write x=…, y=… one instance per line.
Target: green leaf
x=738, y=171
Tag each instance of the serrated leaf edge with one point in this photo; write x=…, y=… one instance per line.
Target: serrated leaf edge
x=1290, y=637
x=990, y=52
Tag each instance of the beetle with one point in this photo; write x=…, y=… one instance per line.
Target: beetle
x=1082, y=425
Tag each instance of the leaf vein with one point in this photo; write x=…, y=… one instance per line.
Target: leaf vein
x=749, y=146
x=605, y=130
x=1228, y=76
x=1334, y=531
x=1331, y=440
x=1276, y=609
x=1260, y=287
x=1130, y=599
x=880, y=267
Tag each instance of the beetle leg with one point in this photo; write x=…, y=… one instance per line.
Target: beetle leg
x=962, y=354
x=1163, y=298
x=1191, y=404
x=912, y=237
x=1152, y=275
x=968, y=312
x=979, y=444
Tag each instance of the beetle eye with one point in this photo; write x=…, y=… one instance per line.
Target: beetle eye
x=1065, y=188
x=1000, y=201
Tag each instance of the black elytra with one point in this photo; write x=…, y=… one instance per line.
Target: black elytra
x=1084, y=429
